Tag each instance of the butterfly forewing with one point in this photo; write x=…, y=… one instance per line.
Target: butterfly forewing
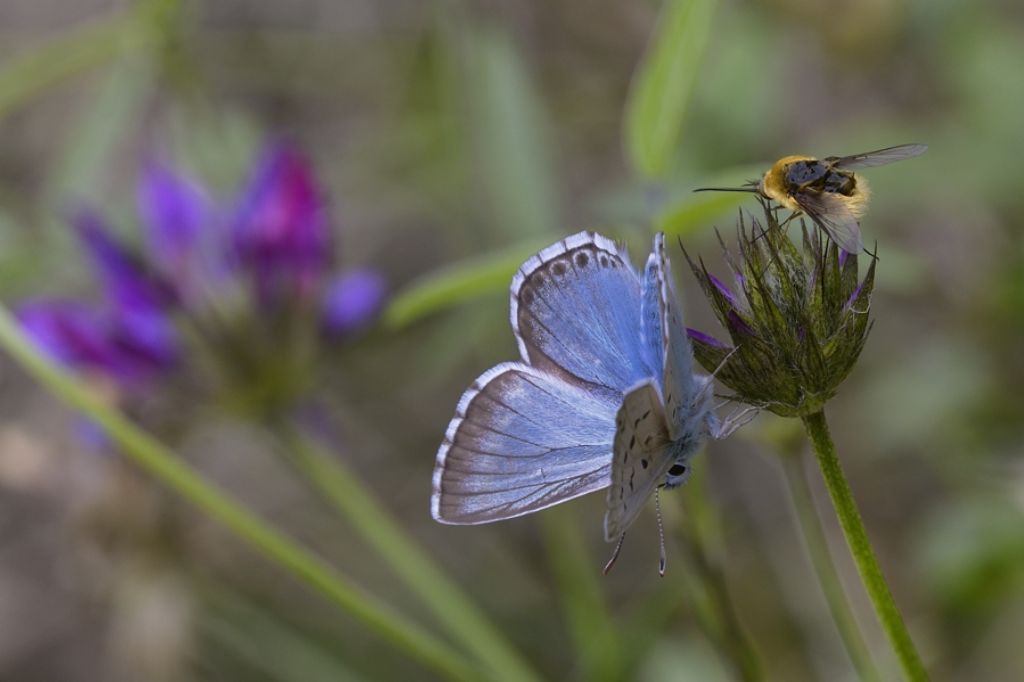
x=678, y=384
x=521, y=440
x=642, y=455
x=652, y=309
x=576, y=313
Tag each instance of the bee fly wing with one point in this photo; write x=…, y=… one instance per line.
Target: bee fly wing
x=879, y=157
x=832, y=215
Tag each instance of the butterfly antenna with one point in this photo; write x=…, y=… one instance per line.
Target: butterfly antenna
x=661, y=533
x=615, y=555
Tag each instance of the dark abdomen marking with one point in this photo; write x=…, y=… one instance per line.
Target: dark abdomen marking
x=840, y=182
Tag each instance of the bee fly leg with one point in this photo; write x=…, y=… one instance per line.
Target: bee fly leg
x=782, y=225
x=786, y=222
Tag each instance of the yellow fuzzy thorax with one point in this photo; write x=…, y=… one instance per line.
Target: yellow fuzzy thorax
x=773, y=186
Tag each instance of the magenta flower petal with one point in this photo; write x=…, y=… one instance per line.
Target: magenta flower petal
x=352, y=300
x=854, y=296
x=280, y=231
x=706, y=339
x=737, y=325
x=723, y=289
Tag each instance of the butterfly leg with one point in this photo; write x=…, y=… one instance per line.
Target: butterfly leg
x=734, y=421
x=615, y=555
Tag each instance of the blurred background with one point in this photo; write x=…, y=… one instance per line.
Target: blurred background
x=450, y=140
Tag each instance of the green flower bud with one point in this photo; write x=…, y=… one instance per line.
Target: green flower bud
x=797, y=320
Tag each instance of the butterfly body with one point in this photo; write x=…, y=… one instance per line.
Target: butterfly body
x=604, y=395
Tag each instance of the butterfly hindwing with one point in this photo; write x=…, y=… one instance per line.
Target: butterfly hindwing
x=642, y=455
x=575, y=311
x=521, y=440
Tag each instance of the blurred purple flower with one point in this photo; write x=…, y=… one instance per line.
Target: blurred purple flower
x=127, y=350
x=147, y=338
x=275, y=237
x=67, y=331
x=174, y=211
x=91, y=435
x=279, y=231
x=126, y=279
x=352, y=300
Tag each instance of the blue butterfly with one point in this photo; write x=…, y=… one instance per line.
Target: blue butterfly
x=605, y=395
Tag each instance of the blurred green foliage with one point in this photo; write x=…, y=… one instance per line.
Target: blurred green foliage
x=663, y=85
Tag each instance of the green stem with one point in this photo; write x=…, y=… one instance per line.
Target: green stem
x=582, y=597
x=163, y=464
x=339, y=485
x=817, y=545
x=860, y=547
x=728, y=631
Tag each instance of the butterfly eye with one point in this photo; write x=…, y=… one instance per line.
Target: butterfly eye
x=677, y=470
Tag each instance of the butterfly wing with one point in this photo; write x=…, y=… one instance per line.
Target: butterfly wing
x=575, y=312
x=678, y=383
x=642, y=456
x=879, y=157
x=652, y=310
x=521, y=440
x=834, y=216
